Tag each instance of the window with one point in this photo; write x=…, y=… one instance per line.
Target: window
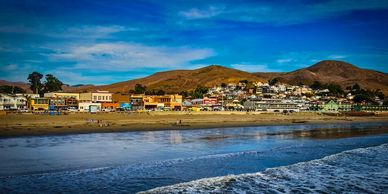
x=99, y=97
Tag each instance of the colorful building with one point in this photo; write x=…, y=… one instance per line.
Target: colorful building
x=124, y=101
x=137, y=102
x=118, y=97
x=330, y=106
x=110, y=106
x=209, y=101
x=39, y=104
x=170, y=102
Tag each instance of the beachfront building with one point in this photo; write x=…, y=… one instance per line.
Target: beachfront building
x=89, y=107
x=62, y=100
x=38, y=104
x=110, y=106
x=62, y=95
x=98, y=96
x=12, y=102
x=137, y=102
x=165, y=102
x=271, y=106
x=124, y=100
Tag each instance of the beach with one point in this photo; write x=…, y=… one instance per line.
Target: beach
x=14, y=125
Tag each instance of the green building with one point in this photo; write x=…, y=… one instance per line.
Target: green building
x=330, y=106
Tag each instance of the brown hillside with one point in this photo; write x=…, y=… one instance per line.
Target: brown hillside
x=328, y=71
x=342, y=73
x=22, y=85
x=179, y=80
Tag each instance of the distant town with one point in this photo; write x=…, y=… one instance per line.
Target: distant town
x=272, y=96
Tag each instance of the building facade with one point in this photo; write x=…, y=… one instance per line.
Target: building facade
x=62, y=95
x=99, y=96
x=89, y=107
x=13, y=102
x=39, y=104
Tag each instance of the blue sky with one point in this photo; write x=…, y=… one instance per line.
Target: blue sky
x=101, y=42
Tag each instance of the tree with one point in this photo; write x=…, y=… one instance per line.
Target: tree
x=199, y=92
x=335, y=89
x=184, y=93
x=52, y=84
x=250, y=86
x=160, y=92
x=379, y=94
x=356, y=87
x=316, y=85
x=273, y=81
x=35, y=84
x=149, y=92
x=140, y=89
x=11, y=89
x=362, y=97
x=243, y=81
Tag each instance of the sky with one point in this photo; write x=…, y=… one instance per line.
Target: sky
x=102, y=42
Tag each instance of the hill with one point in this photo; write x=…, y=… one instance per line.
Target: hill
x=327, y=71
x=180, y=80
x=22, y=85
x=338, y=72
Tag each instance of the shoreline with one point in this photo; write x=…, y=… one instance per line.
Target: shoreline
x=45, y=125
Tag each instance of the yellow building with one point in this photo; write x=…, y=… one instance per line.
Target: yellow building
x=38, y=104
x=172, y=102
x=63, y=95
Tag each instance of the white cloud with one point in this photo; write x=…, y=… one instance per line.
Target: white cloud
x=198, y=13
x=284, y=60
x=127, y=56
x=337, y=56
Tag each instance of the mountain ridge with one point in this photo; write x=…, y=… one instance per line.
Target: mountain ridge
x=174, y=81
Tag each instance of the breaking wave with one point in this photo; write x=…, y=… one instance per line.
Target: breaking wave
x=363, y=170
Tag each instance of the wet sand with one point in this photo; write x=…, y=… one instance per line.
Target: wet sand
x=29, y=125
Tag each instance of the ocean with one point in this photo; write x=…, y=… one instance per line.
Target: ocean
x=318, y=158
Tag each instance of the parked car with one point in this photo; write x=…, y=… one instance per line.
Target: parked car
x=72, y=109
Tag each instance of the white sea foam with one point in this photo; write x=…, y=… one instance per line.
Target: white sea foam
x=363, y=170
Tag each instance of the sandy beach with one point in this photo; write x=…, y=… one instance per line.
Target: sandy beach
x=28, y=124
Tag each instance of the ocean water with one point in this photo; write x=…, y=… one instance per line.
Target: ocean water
x=269, y=159
x=363, y=170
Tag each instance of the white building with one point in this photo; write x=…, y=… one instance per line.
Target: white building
x=13, y=102
x=89, y=107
